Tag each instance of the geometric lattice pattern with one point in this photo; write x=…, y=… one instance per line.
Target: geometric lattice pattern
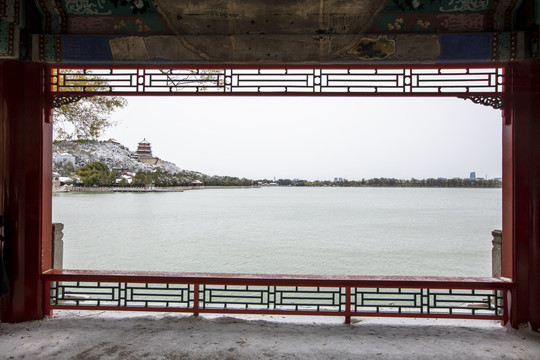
x=325, y=80
x=292, y=298
x=120, y=294
x=264, y=299
x=429, y=301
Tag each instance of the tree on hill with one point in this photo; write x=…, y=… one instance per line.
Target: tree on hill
x=143, y=178
x=89, y=117
x=64, y=168
x=86, y=119
x=95, y=174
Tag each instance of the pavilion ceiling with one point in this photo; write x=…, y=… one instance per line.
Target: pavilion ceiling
x=257, y=31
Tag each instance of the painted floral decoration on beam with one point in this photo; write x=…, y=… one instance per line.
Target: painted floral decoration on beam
x=137, y=6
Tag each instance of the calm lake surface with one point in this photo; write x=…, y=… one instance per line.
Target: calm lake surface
x=284, y=230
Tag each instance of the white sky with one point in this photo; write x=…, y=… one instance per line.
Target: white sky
x=317, y=138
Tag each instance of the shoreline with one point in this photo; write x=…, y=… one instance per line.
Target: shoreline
x=101, y=189
x=157, y=189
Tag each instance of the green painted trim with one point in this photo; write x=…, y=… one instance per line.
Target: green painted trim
x=536, y=11
x=4, y=37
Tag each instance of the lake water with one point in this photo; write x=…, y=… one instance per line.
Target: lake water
x=283, y=230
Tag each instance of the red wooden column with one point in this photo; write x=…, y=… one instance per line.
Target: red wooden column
x=521, y=192
x=26, y=186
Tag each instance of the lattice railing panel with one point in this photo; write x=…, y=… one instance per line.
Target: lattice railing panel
x=121, y=294
x=428, y=301
x=291, y=298
x=268, y=299
x=311, y=298
x=321, y=81
x=235, y=296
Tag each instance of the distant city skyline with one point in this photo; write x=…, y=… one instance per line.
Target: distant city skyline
x=317, y=138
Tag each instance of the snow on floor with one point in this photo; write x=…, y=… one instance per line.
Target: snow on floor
x=114, y=335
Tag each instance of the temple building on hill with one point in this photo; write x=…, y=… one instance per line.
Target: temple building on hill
x=144, y=154
x=144, y=149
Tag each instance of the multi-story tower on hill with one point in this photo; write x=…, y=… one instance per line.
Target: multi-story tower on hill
x=144, y=153
x=144, y=149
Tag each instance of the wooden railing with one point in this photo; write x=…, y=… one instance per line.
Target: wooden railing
x=388, y=296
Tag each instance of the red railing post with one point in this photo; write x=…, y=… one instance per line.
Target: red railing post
x=47, y=298
x=348, y=305
x=196, y=300
x=505, y=307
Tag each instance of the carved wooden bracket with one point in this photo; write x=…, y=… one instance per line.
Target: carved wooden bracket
x=60, y=100
x=495, y=102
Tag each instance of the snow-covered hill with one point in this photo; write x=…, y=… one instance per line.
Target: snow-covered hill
x=113, y=154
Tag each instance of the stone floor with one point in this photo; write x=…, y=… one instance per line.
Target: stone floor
x=112, y=335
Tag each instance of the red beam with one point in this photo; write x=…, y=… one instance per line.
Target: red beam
x=277, y=312
x=278, y=66
x=276, y=94
x=432, y=282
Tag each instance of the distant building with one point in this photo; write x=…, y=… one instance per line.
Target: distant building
x=472, y=176
x=126, y=177
x=119, y=170
x=144, y=149
x=65, y=180
x=144, y=154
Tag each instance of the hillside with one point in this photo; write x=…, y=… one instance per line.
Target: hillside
x=113, y=154
x=68, y=156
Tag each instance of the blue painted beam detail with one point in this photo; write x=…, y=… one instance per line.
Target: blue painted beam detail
x=465, y=47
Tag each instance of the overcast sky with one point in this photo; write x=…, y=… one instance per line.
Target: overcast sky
x=316, y=138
